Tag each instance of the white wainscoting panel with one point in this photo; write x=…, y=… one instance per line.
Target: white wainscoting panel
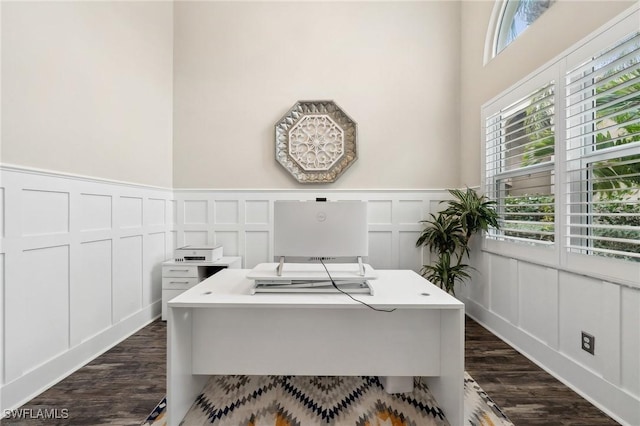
x=96, y=212
x=155, y=249
x=379, y=212
x=409, y=256
x=2, y=281
x=195, y=238
x=502, y=285
x=553, y=306
x=91, y=292
x=130, y=212
x=230, y=241
x=172, y=242
x=257, y=247
x=257, y=212
x=380, y=249
x=242, y=221
x=226, y=212
x=127, y=283
x=536, y=285
x=630, y=340
x=478, y=288
x=196, y=212
x=437, y=205
x=1, y=212
x=80, y=262
x=39, y=221
x=156, y=211
x=609, y=344
x=409, y=212
x=172, y=212
x=98, y=246
x=37, y=322
x=577, y=297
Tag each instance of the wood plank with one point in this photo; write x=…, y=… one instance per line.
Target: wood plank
x=123, y=385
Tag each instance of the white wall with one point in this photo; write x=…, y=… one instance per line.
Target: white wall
x=87, y=88
x=564, y=24
x=540, y=300
x=80, y=271
x=392, y=66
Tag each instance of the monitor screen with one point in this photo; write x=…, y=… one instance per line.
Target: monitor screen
x=327, y=229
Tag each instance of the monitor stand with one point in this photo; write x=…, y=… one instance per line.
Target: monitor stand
x=312, y=278
x=281, y=265
x=351, y=287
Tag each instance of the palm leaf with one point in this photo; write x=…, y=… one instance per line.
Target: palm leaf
x=475, y=212
x=445, y=275
x=442, y=234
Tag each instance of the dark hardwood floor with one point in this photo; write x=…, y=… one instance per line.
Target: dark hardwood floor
x=123, y=385
x=525, y=393
x=120, y=387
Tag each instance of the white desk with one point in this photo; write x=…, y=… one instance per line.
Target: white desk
x=217, y=327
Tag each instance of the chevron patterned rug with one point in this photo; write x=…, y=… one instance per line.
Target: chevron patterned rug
x=314, y=400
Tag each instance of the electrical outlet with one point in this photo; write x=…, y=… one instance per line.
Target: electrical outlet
x=588, y=343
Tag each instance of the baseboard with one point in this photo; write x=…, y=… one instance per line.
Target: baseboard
x=615, y=402
x=36, y=381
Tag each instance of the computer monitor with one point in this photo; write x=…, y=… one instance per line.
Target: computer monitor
x=308, y=230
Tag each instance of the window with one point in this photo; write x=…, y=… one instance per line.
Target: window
x=603, y=152
x=515, y=17
x=562, y=156
x=520, y=144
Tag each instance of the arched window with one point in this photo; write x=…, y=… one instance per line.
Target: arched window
x=512, y=18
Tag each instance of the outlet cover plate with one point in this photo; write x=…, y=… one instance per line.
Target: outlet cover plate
x=588, y=343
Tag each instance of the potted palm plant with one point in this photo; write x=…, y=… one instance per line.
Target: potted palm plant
x=448, y=234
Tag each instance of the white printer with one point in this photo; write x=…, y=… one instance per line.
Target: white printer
x=198, y=253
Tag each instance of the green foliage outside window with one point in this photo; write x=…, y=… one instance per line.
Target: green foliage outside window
x=614, y=214
x=535, y=208
x=629, y=215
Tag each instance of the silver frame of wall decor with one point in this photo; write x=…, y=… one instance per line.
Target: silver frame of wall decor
x=333, y=114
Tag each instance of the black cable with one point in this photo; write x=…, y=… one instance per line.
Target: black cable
x=353, y=298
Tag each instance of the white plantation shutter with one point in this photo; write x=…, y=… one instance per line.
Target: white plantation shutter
x=603, y=152
x=520, y=144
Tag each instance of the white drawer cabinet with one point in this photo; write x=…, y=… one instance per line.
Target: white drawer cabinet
x=180, y=271
x=178, y=277
x=179, y=283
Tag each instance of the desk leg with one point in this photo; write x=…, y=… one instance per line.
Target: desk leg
x=448, y=388
x=397, y=384
x=182, y=386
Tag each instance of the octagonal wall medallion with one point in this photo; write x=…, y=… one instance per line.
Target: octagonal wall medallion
x=316, y=141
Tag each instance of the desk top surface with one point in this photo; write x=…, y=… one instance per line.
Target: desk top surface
x=230, y=288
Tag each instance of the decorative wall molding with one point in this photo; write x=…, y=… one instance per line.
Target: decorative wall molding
x=80, y=271
x=541, y=311
x=242, y=221
x=98, y=245
x=96, y=240
x=52, y=173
